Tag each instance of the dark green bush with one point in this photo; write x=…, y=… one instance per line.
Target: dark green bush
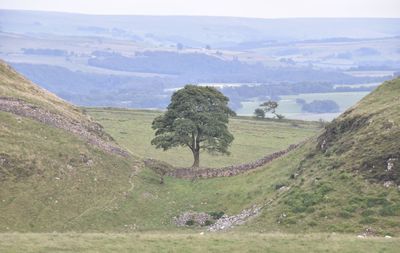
x=216, y=215
x=189, y=223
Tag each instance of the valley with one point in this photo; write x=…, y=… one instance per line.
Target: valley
x=140, y=133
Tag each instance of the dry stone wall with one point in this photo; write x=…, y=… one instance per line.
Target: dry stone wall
x=233, y=170
x=88, y=132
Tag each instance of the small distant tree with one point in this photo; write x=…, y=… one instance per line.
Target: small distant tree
x=197, y=118
x=271, y=106
x=208, y=47
x=259, y=113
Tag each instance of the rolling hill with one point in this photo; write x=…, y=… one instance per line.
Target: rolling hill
x=76, y=178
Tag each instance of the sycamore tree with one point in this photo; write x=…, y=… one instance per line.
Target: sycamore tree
x=196, y=118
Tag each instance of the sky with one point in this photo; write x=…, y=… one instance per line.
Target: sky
x=234, y=8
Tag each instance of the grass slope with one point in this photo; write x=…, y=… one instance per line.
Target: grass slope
x=50, y=178
x=340, y=182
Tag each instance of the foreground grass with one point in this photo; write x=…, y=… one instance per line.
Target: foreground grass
x=179, y=242
x=253, y=138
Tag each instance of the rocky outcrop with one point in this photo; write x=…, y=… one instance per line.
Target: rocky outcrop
x=233, y=170
x=90, y=132
x=227, y=222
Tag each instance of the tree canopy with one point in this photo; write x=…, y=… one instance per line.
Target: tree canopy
x=197, y=118
x=271, y=106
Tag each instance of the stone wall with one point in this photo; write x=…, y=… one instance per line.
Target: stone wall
x=195, y=173
x=89, y=132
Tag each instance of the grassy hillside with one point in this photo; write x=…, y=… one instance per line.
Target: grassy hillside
x=49, y=177
x=55, y=181
x=348, y=180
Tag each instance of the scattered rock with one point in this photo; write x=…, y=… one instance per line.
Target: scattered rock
x=388, y=184
x=390, y=164
x=192, y=218
x=367, y=232
x=227, y=222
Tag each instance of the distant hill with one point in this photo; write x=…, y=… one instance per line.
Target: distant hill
x=197, y=31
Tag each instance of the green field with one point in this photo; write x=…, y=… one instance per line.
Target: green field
x=253, y=138
x=191, y=242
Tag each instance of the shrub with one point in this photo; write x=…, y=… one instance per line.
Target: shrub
x=216, y=215
x=189, y=223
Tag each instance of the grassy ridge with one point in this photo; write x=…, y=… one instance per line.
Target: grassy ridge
x=49, y=178
x=13, y=84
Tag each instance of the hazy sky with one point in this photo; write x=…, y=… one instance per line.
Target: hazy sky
x=238, y=8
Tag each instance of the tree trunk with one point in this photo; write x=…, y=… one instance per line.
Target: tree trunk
x=196, y=156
